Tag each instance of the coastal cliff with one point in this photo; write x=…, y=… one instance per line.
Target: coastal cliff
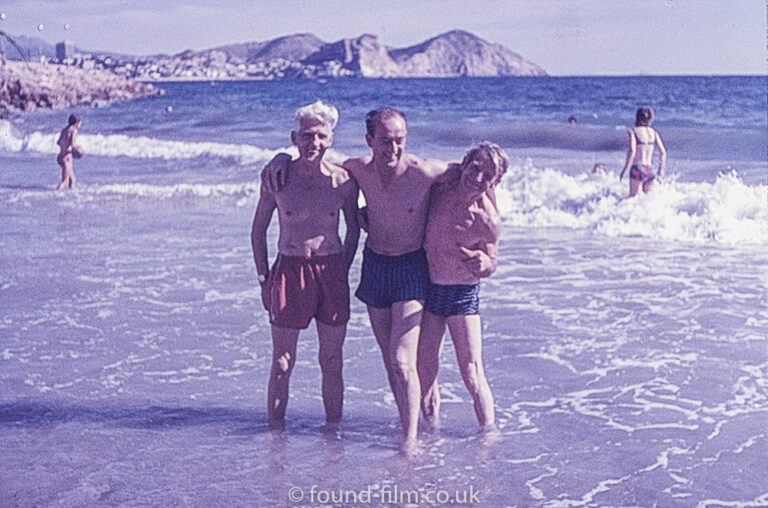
x=93, y=78
x=452, y=54
x=26, y=86
x=460, y=53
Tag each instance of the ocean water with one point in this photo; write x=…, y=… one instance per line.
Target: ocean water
x=625, y=340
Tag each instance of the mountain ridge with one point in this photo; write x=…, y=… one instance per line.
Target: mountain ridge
x=453, y=53
x=303, y=55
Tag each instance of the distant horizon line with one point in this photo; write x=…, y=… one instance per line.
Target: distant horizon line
x=643, y=75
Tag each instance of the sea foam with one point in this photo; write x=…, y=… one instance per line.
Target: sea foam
x=141, y=147
x=726, y=211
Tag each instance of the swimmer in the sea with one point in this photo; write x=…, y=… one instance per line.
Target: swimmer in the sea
x=643, y=140
x=68, y=151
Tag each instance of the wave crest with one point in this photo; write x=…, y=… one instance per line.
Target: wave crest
x=727, y=211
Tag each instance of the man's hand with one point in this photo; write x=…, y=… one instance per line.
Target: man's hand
x=273, y=174
x=477, y=262
x=362, y=218
x=265, y=294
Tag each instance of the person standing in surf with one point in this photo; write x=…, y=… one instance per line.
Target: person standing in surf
x=68, y=151
x=643, y=141
x=309, y=278
x=461, y=243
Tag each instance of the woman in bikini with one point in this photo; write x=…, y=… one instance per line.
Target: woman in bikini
x=68, y=151
x=643, y=139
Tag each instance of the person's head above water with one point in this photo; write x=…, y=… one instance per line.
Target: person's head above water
x=644, y=116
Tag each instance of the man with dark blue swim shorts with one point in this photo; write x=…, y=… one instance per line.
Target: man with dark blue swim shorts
x=461, y=242
x=394, y=278
x=386, y=280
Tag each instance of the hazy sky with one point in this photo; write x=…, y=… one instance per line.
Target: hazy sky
x=566, y=37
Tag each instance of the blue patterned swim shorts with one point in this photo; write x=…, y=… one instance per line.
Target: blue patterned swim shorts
x=453, y=300
x=388, y=279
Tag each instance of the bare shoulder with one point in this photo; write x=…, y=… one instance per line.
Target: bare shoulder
x=431, y=168
x=356, y=164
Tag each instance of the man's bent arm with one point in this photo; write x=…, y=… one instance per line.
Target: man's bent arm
x=443, y=171
x=350, y=210
x=492, y=250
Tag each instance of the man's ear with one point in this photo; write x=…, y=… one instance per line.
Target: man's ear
x=294, y=135
x=369, y=139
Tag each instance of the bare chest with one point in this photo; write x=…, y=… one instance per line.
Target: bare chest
x=465, y=224
x=397, y=196
x=302, y=200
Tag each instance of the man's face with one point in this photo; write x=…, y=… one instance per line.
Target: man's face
x=312, y=139
x=388, y=141
x=479, y=174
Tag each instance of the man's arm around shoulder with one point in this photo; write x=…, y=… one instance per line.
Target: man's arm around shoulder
x=438, y=170
x=273, y=174
x=355, y=164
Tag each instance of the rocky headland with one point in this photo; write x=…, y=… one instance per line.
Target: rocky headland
x=452, y=54
x=26, y=86
x=90, y=78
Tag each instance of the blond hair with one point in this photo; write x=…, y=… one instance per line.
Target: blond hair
x=318, y=111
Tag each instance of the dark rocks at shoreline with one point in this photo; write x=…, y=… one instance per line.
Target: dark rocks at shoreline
x=27, y=86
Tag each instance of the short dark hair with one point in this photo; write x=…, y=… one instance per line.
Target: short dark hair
x=644, y=116
x=74, y=118
x=382, y=113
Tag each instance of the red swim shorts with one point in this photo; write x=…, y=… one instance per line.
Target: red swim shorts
x=301, y=289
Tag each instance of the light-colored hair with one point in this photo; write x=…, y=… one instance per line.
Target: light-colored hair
x=498, y=156
x=644, y=116
x=318, y=111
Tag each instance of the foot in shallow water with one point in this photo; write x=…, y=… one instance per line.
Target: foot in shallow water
x=410, y=448
x=432, y=423
x=489, y=434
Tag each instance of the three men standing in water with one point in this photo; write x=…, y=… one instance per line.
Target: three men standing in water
x=395, y=276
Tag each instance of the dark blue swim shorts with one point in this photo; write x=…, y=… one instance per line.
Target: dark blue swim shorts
x=388, y=279
x=453, y=300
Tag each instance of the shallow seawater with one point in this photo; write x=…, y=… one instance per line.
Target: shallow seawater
x=625, y=340
x=624, y=372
